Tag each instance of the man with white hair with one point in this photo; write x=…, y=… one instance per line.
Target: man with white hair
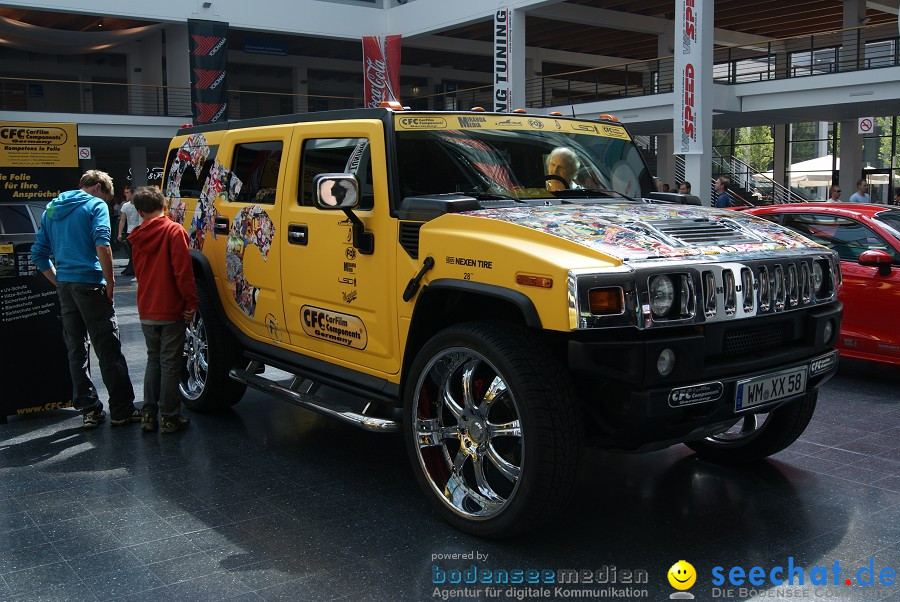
x=563, y=163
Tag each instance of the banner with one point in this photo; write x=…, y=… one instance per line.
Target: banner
x=381, y=68
x=208, y=42
x=688, y=44
x=502, y=47
x=29, y=144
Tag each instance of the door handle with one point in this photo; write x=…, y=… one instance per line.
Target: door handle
x=220, y=226
x=297, y=234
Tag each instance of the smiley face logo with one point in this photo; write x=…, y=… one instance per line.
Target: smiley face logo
x=682, y=575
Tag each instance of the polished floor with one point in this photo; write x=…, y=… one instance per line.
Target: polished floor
x=271, y=502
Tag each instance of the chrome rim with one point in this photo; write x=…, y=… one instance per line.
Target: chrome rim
x=196, y=359
x=747, y=427
x=468, y=434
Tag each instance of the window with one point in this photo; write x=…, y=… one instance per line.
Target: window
x=255, y=167
x=337, y=155
x=15, y=220
x=846, y=236
x=190, y=184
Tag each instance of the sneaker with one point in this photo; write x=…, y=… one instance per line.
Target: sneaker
x=134, y=280
x=148, y=423
x=170, y=424
x=94, y=419
x=135, y=417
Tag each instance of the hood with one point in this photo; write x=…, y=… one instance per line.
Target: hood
x=60, y=207
x=636, y=232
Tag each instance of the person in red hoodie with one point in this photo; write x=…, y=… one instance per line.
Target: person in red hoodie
x=166, y=299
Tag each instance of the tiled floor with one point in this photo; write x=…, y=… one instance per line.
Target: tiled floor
x=271, y=502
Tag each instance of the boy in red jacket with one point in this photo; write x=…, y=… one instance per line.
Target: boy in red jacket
x=166, y=299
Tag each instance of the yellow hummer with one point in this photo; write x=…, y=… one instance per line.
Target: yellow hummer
x=502, y=288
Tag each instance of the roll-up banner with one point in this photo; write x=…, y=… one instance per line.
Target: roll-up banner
x=688, y=66
x=209, y=63
x=381, y=69
x=502, y=75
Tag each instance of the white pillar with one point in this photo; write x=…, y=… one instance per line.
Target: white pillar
x=698, y=167
x=665, y=160
x=178, y=71
x=851, y=157
x=534, y=68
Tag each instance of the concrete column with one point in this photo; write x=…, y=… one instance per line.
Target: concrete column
x=300, y=87
x=779, y=160
x=534, y=70
x=853, y=55
x=178, y=71
x=138, y=166
x=516, y=59
x=698, y=167
x=665, y=47
x=665, y=160
x=851, y=157
x=144, y=73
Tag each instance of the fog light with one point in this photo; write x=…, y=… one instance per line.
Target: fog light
x=826, y=333
x=665, y=363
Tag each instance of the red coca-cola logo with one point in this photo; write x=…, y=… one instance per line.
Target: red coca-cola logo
x=381, y=58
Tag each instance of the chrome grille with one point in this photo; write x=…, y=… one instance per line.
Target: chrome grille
x=754, y=340
x=703, y=232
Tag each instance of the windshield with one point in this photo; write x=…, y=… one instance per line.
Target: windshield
x=519, y=157
x=890, y=220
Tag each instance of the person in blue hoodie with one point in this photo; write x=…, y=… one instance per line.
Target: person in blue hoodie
x=72, y=250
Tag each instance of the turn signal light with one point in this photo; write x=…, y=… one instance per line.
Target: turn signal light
x=519, y=111
x=391, y=104
x=609, y=117
x=606, y=301
x=477, y=109
x=538, y=281
x=555, y=113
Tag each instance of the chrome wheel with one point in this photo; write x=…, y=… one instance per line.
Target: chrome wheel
x=748, y=426
x=468, y=434
x=196, y=359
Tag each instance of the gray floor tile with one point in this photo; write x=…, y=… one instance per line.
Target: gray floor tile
x=163, y=549
x=40, y=578
x=218, y=586
x=104, y=562
x=124, y=582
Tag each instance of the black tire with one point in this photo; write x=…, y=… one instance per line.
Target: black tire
x=207, y=388
x=748, y=441
x=520, y=435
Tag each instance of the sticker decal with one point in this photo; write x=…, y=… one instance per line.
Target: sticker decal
x=683, y=396
x=251, y=226
x=192, y=153
x=275, y=331
x=822, y=364
x=219, y=186
x=343, y=329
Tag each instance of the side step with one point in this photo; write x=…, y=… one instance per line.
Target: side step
x=314, y=403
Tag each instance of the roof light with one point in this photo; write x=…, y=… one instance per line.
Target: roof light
x=556, y=113
x=609, y=117
x=477, y=109
x=391, y=104
x=519, y=111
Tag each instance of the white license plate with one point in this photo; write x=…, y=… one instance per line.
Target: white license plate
x=769, y=388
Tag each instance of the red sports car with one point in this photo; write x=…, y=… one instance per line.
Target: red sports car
x=867, y=239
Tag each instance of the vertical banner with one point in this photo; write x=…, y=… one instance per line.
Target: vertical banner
x=208, y=42
x=381, y=65
x=502, y=75
x=688, y=71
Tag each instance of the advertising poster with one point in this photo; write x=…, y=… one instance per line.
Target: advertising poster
x=502, y=75
x=688, y=44
x=208, y=41
x=381, y=65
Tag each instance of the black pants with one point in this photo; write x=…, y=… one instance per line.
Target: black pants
x=129, y=269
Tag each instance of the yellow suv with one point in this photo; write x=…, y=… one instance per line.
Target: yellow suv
x=499, y=288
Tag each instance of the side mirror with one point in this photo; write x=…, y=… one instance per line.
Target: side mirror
x=336, y=191
x=877, y=258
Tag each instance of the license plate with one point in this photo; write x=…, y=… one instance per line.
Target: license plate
x=769, y=388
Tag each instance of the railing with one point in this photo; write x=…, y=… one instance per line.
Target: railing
x=745, y=177
x=115, y=98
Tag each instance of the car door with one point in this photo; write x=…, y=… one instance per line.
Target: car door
x=244, y=238
x=869, y=324
x=339, y=302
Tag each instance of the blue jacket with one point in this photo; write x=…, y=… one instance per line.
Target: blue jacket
x=74, y=224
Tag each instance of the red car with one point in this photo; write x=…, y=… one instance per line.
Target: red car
x=867, y=239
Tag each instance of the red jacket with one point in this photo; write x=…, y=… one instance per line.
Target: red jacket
x=163, y=268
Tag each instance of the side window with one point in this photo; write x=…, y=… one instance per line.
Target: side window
x=191, y=184
x=15, y=220
x=256, y=165
x=336, y=155
x=846, y=236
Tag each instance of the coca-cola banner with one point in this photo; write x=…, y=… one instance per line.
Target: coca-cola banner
x=502, y=48
x=381, y=64
x=208, y=41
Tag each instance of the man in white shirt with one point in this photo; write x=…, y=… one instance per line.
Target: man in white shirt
x=128, y=221
x=834, y=194
x=862, y=192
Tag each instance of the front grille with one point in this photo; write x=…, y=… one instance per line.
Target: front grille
x=754, y=340
x=703, y=232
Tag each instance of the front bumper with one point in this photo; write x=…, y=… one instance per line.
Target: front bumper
x=634, y=408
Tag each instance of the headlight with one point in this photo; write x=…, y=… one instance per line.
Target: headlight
x=662, y=295
x=818, y=277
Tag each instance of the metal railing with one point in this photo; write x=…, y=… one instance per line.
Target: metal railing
x=748, y=179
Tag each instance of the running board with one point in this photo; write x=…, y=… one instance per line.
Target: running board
x=316, y=404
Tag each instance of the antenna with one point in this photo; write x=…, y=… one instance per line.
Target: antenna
x=573, y=111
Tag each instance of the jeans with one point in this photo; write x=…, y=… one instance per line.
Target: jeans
x=165, y=356
x=85, y=310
